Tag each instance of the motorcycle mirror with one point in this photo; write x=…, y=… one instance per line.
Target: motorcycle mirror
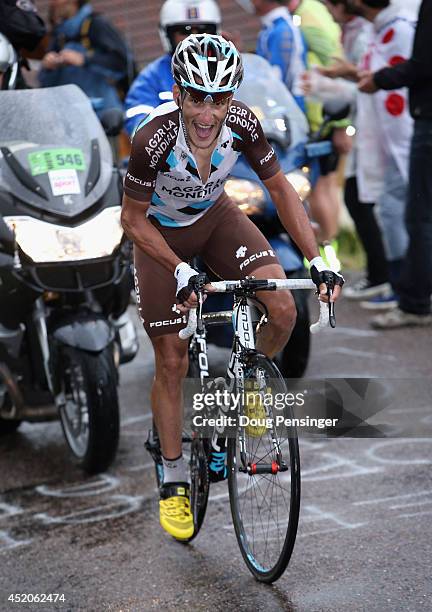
x=7, y=239
x=288, y=133
x=279, y=132
x=112, y=121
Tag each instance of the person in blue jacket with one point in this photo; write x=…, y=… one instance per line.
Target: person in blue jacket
x=153, y=85
x=281, y=43
x=87, y=50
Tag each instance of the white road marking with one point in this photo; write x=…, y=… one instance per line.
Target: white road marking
x=336, y=461
x=372, y=452
x=355, y=353
x=7, y=510
x=316, y=514
x=352, y=331
x=408, y=411
x=7, y=542
x=143, y=466
x=136, y=419
x=412, y=514
x=119, y=505
x=378, y=500
x=101, y=484
x=419, y=503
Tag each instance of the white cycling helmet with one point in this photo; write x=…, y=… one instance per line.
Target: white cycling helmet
x=8, y=63
x=185, y=15
x=207, y=66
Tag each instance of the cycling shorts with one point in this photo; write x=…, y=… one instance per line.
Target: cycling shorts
x=225, y=239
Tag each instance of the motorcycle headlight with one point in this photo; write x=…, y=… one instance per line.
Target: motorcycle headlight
x=45, y=242
x=301, y=184
x=248, y=196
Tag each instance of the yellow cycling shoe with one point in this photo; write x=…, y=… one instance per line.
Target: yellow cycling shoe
x=254, y=410
x=174, y=510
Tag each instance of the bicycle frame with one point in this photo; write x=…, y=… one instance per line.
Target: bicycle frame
x=241, y=319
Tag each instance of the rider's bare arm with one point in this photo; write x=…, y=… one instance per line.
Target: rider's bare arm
x=292, y=214
x=295, y=220
x=144, y=234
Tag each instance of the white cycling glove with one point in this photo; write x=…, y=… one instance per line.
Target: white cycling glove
x=320, y=273
x=185, y=276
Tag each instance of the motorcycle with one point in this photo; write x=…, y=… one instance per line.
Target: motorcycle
x=287, y=130
x=64, y=271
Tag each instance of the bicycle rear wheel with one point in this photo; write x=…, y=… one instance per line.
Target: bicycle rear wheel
x=265, y=502
x=199, y=483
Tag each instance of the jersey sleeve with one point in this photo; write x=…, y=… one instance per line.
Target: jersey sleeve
x=250, y=140
x=141, y=174
x=151, y=146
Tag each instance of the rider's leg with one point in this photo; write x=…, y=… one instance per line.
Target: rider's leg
x=282, y=313
x=171, y=364
x=171, y=359
x=325, y=205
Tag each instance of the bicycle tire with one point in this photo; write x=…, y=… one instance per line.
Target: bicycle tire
x=269, y=565
x=200, y=482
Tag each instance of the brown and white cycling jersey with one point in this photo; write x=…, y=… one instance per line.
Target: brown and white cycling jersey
x=163, y=167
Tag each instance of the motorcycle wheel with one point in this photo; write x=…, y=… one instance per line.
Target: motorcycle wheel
x=8, y=426
x=293, y=359
x=90, y=413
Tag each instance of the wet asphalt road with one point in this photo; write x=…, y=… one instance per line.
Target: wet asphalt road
x=365, y=534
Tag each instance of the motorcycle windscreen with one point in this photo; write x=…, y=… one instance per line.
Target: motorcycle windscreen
x=54, y=154
x=268, y=97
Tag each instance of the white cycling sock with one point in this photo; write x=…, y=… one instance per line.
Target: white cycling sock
x=175, y=470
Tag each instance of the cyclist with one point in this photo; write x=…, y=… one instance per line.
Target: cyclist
x=153, y=85
x=175, y=207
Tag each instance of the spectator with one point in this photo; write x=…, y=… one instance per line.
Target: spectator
x=323, y=40
x=281, y=44
x=8, y=64
x=384, y=135
x=21, y=24
x=415, y=286
x=24, y=29
x=356, y=35
x=153, y=85
x=85, y=49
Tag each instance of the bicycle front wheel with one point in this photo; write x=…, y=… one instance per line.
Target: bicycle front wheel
x=264, y=475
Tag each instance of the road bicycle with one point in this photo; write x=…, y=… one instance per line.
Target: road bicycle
x=263, y=459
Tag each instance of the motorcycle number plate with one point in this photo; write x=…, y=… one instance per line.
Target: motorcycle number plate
x=42, y=162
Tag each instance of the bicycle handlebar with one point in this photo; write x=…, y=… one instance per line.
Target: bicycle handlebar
x=326, y=317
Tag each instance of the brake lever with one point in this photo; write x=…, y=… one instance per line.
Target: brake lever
x=200, y=326
x=332, y=317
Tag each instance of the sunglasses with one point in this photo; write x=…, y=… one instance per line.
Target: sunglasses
x=207, y=97
x=198, y=28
